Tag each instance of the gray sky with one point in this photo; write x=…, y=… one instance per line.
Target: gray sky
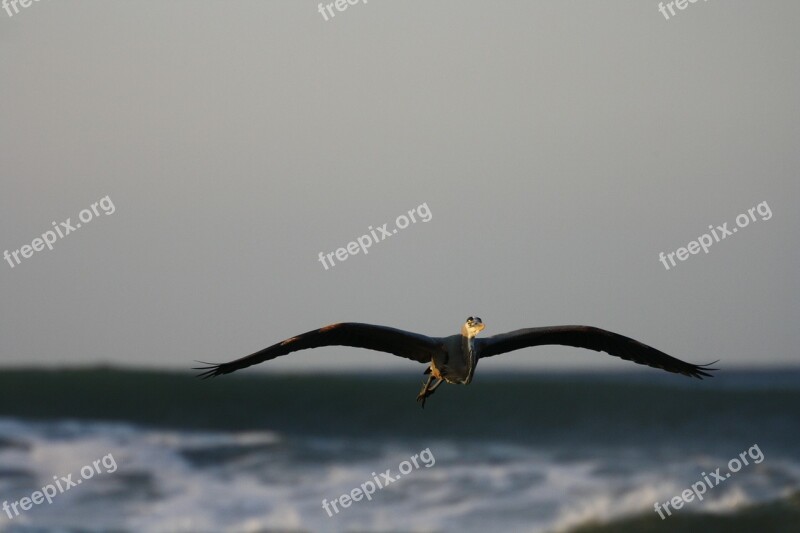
x=560, y=146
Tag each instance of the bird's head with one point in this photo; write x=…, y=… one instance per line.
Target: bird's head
x=472, y=326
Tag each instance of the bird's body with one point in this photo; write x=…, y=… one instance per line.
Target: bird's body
x=451, y=363
x=453, y=359
x=456, y=362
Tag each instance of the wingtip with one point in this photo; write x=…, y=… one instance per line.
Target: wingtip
x=701, y=371
x=209, y=371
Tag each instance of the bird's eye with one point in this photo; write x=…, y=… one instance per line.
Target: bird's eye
x=470, y=319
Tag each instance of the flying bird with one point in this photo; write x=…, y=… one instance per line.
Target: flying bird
x=453, y=359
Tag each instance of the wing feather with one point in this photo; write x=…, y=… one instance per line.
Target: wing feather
x=592, y=338
x=381, y=338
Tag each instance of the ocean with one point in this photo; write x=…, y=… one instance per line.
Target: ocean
x=538, y=452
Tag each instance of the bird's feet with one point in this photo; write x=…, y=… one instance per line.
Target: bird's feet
x=427, y=388
x=426, y=391
x=422, y=396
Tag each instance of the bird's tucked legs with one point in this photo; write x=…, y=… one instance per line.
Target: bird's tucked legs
x=427, y=389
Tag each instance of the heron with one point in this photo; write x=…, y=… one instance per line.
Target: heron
x=453, y=359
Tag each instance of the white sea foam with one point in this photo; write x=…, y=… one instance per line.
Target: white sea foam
x=249, y=481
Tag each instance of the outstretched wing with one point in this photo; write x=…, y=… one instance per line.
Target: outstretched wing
x=596, y=339
x=381, y=338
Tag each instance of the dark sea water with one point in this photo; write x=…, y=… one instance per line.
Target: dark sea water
x=523, y=452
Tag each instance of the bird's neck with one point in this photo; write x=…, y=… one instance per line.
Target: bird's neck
x=468, y=349
x=468, y=343
x=467, y=338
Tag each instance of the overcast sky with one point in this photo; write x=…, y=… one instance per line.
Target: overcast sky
x=560, y=147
